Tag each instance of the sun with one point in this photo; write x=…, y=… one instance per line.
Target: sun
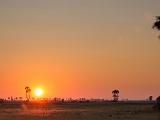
x=38, y=92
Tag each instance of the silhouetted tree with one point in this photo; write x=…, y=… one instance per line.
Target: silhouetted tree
x=150, y=98
x=11, y=98
x=8, y=98
x=28, y=92
x=158, y=102
x=1, y=101
x=115, y=95
x=16, y=98
x=157, y=24
x=20, y=98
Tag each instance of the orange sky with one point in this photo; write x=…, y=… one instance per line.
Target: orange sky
x=79, y=49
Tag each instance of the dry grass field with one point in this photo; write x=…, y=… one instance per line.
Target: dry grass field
x=79, y=111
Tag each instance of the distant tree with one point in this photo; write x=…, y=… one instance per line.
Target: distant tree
x=11, y=98
x=28, y=92
x=16, y=98
x=20, y=98
x=158, y=102
x=157, y=24
x=8, y=98
x=1, y=101
x=115, y=95
x=150, y=98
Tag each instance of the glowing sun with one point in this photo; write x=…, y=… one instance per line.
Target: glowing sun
x=38, y=92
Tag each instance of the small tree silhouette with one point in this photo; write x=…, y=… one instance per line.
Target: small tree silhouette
x=157, y=24
x=158, y=102
x=115, y=95
x=150, y=98
x=28, y=92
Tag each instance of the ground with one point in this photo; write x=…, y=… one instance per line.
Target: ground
x=79, y=111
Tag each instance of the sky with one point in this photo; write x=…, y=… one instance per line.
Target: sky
x=79, y=48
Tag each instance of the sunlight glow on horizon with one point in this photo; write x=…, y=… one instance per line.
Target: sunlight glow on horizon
x=38, y=92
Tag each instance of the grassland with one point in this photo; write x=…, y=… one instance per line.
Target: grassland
x=79, y=111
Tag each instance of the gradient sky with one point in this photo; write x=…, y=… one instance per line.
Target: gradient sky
x=79, y=48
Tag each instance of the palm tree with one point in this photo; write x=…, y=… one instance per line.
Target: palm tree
x=115, y=95
x=28, y=92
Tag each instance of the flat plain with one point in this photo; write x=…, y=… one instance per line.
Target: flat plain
x=79, y=111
